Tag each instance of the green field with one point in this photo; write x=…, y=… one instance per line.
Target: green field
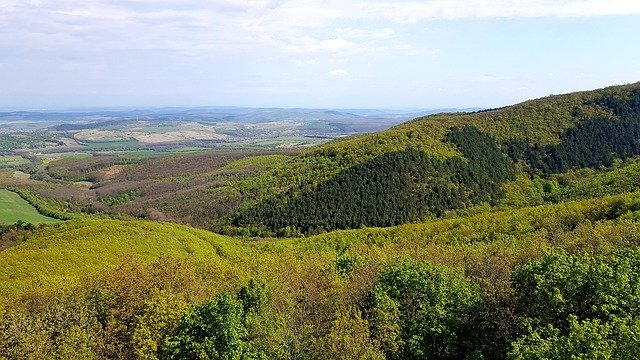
x=14, y=208
x=68, y=154
x=277, y=142
x=12, y=160
x=115, y=145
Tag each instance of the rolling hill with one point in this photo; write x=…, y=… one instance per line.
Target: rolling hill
x=443, y=162
x=508, y=233
x=107, y=288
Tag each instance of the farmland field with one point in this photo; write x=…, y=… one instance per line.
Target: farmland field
x=12, y=160
x=14, y=208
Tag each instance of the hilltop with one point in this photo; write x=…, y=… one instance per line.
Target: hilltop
x=439, y=163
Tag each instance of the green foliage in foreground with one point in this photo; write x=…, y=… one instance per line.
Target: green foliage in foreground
x=14, y=208
x=579, y=307
x=215, y=329
x=524, y=283
x=418, y=311
x=561, y=285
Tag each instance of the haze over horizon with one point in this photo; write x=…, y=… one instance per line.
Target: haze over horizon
x=311, y=54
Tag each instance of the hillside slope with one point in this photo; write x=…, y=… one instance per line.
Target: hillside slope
x=67, y=251
x=74, y=249
x=425, y=167
x=96, y=288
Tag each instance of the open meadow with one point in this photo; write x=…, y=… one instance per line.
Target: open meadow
x=13, y=208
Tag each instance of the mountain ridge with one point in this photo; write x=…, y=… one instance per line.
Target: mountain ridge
x=543, y=135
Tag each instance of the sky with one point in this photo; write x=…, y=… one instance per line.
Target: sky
x=311, y=53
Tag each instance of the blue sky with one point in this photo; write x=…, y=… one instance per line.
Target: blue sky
x=311, y=53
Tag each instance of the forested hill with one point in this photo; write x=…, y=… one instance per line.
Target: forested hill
x=430, y=165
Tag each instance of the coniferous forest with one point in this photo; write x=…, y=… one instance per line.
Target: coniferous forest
x=591, y=143
x=394, y=188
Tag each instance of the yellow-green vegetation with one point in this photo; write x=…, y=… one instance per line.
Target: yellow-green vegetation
x=12, y=160
x=585, y=183
x=14, y=208
x=519, y=238
x=77, y=248
x=143, y=287
x=261, y=161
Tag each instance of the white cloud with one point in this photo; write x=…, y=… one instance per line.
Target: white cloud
x=309, y=44
x=333, y=45
x=300, y=37
x=292, y=25
x=339, y=72
x=409, y=12
x=307, y=62
x=366, y=34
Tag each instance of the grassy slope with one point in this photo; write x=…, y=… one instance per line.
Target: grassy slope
x=82, y=247
x=14, y=208
x=65, y=252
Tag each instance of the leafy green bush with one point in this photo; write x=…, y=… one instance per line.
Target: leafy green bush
x=212, y=330
x=217, y=329
x=579, y=307
x=421, y=311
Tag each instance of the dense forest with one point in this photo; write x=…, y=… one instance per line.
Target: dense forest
x=511, y=233
x=541, y=282
x=392, y=189
x=591, y=143
x=408, y=185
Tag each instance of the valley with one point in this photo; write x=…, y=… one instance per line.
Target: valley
x=319, y=180
x=501, y=233
x=51, y=135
